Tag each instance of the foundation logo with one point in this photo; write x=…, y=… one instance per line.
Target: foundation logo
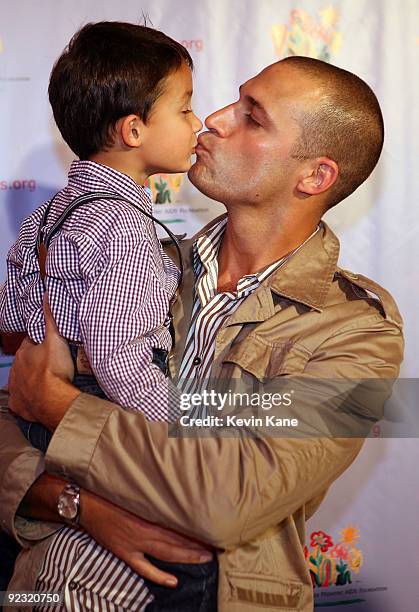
x=165, y=187
x=333, y=564
x=310, y=36
x=195, y=44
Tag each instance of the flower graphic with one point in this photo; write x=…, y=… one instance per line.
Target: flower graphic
x=329, y=17
x=339, y=552
x=349, y=535
x=164, y=186
x=322, y=540
x=356, y=560
x=175, y=181
x=308, y=34
x=331, y=564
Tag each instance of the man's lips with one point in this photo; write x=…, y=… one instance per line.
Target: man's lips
x=200, y=147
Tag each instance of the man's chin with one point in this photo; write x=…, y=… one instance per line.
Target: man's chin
x=194, y=174
x=202, y=179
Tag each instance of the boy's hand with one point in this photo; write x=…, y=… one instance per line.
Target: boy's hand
x=40, y=378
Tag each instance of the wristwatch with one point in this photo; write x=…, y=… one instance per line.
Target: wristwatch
x=69, y=504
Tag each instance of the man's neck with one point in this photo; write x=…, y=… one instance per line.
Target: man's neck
x=254, y=239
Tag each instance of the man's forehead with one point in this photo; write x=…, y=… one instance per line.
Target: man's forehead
x=281, y=81
x=274, y=76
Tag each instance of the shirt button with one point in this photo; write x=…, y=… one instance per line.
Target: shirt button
x=72, y=585
x=197, y=361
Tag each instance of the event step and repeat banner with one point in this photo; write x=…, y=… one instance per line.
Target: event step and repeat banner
x=363, y=544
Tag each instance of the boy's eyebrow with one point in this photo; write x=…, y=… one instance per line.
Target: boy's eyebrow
x=187, y=94
x=251, y=100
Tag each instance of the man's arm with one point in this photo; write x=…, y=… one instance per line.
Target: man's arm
x=223, y=491
x=27, y=491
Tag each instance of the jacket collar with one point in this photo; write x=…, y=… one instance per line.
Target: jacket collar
x=305, y=278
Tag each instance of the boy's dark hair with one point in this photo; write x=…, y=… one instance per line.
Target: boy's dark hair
x=108, y=71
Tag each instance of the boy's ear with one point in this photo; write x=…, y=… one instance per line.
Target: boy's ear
x=317, y=176
x=130, y=130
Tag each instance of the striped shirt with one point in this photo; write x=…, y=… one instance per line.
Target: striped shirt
x=89, y=577
x=109, y=285
x=211, y=308
x=73, y=560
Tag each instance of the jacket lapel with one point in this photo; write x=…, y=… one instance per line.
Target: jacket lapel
x=305, y=278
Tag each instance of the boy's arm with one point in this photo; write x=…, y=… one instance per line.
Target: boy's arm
x=21, y=270
x=11, y=319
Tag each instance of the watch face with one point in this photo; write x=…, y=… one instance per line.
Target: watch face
x=68, y=506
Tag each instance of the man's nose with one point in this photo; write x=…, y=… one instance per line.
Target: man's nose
x=222, y=121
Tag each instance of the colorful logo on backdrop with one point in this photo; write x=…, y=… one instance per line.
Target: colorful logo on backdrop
x=312, y=36
x=334, y=563
x=165, y=187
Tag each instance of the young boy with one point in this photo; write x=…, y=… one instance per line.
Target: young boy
x=121, y=98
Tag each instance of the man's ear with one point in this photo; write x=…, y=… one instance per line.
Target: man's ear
x=130, y=129
x=318, y=176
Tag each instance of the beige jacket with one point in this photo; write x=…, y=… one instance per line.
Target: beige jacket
x=249, y=497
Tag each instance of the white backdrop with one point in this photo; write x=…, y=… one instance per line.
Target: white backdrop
x=231, y=41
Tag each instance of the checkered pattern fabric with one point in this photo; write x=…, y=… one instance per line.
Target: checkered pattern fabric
x=109, y=285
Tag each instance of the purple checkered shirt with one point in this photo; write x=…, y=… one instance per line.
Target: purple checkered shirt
x=109, y=286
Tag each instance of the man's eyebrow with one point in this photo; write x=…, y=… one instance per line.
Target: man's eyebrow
x=251, y=100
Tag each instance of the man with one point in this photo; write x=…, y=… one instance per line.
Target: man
x=263, y=302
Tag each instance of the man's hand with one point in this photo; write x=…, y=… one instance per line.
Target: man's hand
x=117, y=530
x=40, y=378
x=129, y=536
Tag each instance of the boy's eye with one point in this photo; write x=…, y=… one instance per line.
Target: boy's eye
x=187, y=110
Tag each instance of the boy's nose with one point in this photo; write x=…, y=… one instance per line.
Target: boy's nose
x=197, y=124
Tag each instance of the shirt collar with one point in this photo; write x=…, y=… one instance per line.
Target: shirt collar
x=206, y=250
x=92, y=176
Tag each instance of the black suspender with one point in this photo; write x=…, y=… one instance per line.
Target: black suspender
x=43, y=240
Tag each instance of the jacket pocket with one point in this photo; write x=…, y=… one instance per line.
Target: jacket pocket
x=266, y=361
x=269, y=593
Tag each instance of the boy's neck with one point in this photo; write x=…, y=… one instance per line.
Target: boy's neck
x=123, y=162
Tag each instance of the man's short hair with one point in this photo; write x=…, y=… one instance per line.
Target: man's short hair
x=346, y=125
x=109, y=70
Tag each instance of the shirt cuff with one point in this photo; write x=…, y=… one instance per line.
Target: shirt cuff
x=18, y=479
x=29, y=531
x=74, y=441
